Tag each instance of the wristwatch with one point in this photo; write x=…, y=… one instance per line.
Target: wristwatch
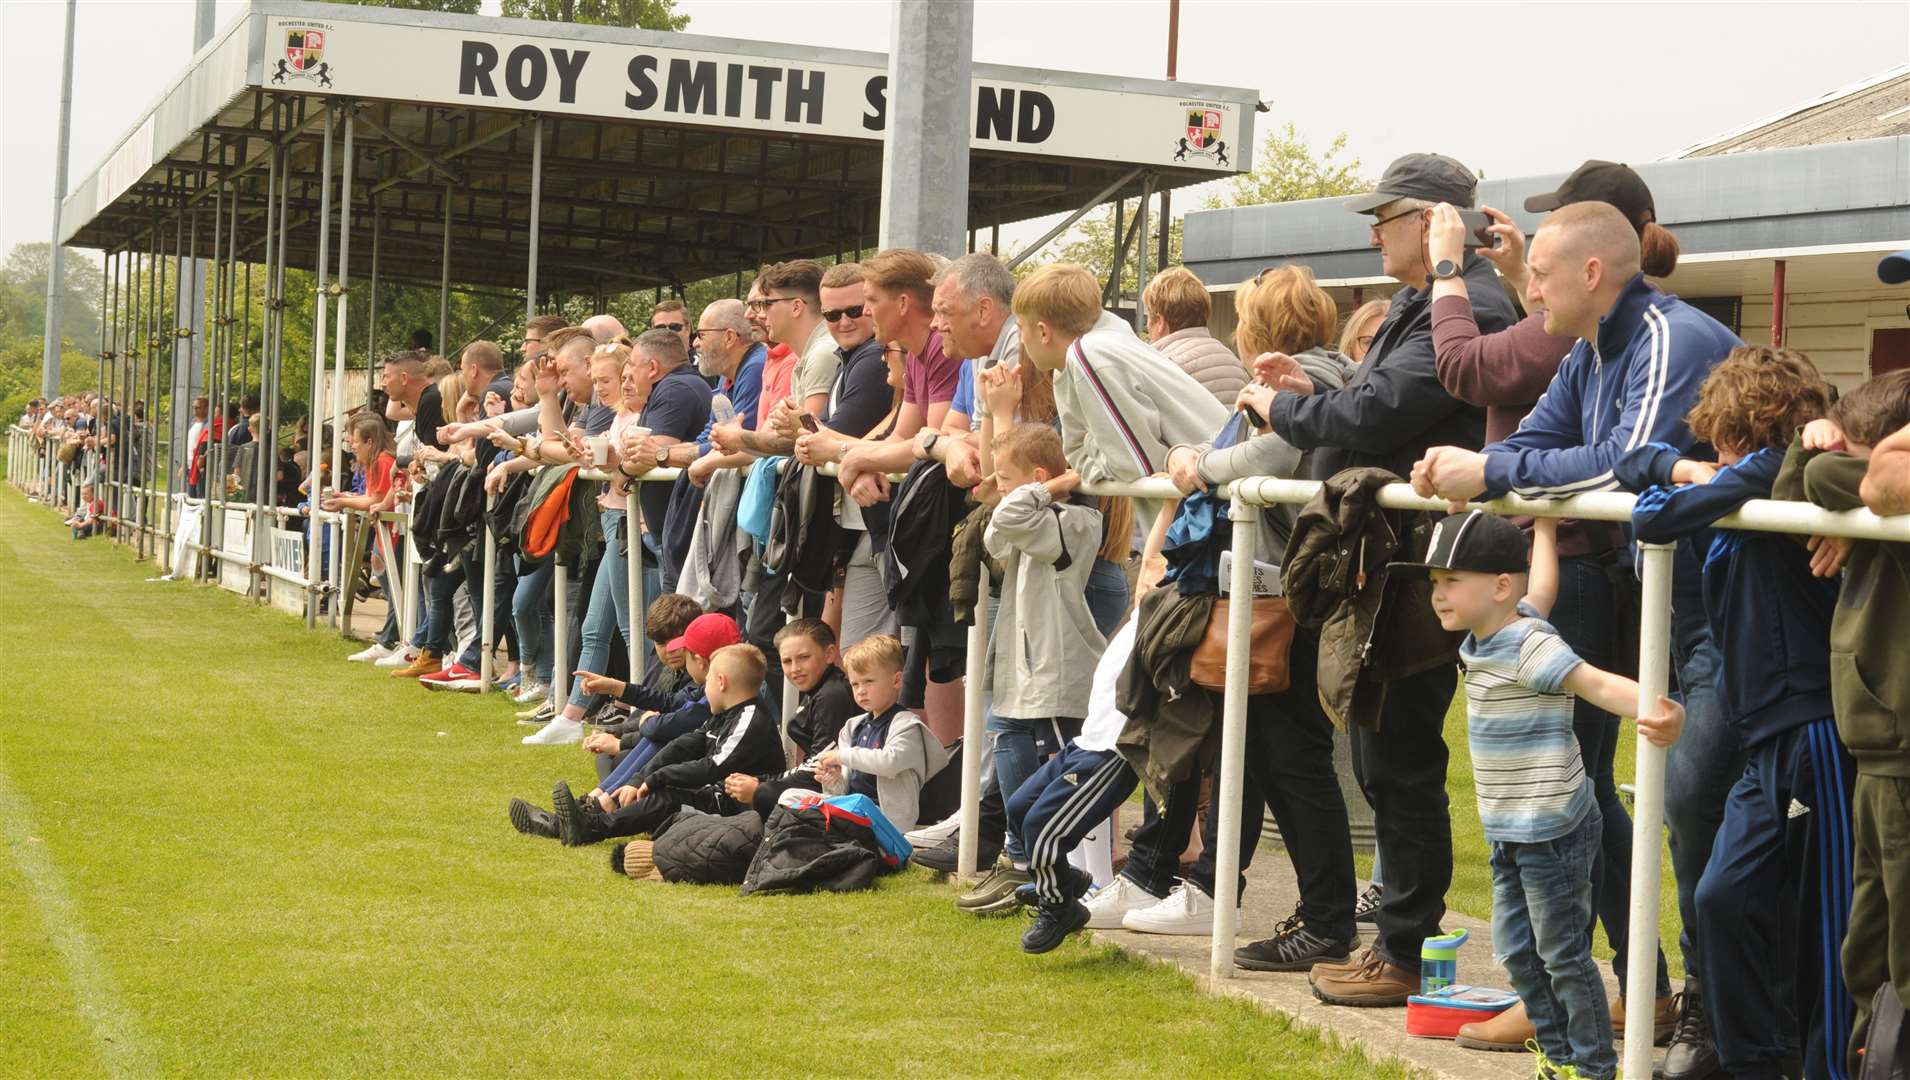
x=1446, y=269
x=928, y=445
x=663, y=457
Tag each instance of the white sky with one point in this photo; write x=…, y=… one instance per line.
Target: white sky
x=1510, y=89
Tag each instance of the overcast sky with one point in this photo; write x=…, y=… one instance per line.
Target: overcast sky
x=1510, y=89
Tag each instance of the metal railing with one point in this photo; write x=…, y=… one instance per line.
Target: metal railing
x=31, y=471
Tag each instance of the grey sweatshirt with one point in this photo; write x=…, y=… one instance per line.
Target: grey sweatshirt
x=906, y=760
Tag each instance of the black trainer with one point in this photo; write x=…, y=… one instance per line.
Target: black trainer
x=570, y=816
x=1052, y=925
x=1366, y=905
x=943, y=857
x=533, y=820
x=1693, y=1053
x=1291, y=948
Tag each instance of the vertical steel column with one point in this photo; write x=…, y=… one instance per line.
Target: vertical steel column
x=314, y=524
x=1140, y=257
x=1233, y=730
x=444, y=279
x=1648, y=806
x=339, y=584
x=1778, y=303
x=214, y=470
x=371, y=303
x=266, y=463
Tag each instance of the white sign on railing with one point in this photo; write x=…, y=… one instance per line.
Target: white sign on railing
x=288, y=551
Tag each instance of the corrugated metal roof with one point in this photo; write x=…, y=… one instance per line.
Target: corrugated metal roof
x=1874, y=108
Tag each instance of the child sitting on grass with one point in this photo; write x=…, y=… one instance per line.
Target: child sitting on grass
x=85, y=520
x=1534, y=798
x=884, y=752
x=743, y=735
x=666, y=688
x=1774, y=897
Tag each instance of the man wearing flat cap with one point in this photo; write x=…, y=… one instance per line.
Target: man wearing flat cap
x=1391, y=411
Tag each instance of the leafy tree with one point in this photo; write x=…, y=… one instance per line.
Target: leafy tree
x=647, y=14
x=23, y=296
x=455, y=7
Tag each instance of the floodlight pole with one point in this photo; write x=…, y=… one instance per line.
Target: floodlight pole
x=924, y=172
x=56, y=257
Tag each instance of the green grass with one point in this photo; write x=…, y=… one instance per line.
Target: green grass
x=230, y=853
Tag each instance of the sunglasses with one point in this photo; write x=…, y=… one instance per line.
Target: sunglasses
x=672, y=327
x=834, y=314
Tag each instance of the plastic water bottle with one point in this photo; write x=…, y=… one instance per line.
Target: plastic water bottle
x=722, y=411
x=1439, y=961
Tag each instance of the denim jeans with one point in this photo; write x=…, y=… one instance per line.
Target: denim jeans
x=388, y=633
x=609, y=605
x=1707, y=759
x=1107, y=595
x=1585, y=616
x=1015, y=761
x=531, y=609
x=1542, y=930
x=440, y=626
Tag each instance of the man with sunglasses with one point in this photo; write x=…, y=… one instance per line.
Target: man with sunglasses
x=792, y=305
x=673, y=316
x=1392, y=410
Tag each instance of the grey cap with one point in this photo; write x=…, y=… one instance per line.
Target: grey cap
x=1435, y=178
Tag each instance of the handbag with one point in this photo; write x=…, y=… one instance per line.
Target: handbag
x=1268, y=660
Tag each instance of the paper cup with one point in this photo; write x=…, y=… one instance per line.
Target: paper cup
x=599, y=450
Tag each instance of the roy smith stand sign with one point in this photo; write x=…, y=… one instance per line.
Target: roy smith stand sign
x=837, y=94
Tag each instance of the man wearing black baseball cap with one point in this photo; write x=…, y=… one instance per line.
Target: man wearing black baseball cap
x=1386, y=417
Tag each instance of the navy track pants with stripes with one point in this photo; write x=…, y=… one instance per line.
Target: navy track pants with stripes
x=1774, y=904
x=1062, y=802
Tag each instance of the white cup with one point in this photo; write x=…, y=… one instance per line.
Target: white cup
x=599, y=450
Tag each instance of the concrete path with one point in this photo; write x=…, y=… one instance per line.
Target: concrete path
x=1271, y=896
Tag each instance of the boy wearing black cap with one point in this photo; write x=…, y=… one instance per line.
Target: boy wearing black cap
x=1534, y=800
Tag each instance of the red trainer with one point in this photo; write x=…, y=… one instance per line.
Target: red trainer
x=455, y=677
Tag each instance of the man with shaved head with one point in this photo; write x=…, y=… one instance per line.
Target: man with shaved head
x=1641, y=356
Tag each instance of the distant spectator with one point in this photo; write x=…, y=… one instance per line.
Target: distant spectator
x=1178, y=309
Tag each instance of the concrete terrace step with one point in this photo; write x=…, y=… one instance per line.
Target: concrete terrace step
x=1271, y=896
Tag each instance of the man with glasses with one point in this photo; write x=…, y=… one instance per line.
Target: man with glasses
x=780, y=363
x=1387, y=416
x=793, y=311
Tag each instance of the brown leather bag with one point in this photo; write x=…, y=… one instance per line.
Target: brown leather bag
x=1267, y=661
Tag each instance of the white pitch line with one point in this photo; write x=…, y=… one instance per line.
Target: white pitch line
x=121, y=1046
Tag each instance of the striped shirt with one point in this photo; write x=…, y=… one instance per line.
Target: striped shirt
x=1525, y=764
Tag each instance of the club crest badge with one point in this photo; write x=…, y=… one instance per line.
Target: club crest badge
x=304, y=56
x=1200, y=138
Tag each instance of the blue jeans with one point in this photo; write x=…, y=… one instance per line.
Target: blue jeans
x=1585, y=616
x=1542, y=929
x=1708, y=758
x=1015, y=761
x=440, y=620
x=609, y=605
x=388, y=633
x=531, y=610
x=1107, y=595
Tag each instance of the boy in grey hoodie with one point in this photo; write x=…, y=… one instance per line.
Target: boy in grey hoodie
x=886, y=753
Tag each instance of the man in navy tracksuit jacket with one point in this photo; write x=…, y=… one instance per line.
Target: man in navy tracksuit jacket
x=1630, y=380
x=1774, y=900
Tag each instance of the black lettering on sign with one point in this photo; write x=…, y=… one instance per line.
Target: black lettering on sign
x=994, y=114
x=876, y=93
x=475, y=61
x=765, y=79
x=691, y=88
x=524, y=72
x=641, y=72
x=733, y=90
x=804, y=97
x=1036, y=119
x=569, y=65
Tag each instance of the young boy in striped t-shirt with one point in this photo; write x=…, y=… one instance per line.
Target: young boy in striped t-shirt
x=1534, y=800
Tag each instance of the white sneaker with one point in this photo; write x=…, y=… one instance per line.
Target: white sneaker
x=366, y=656
x=529, y=692
x=1110, y=903
x=401, y=658
x=931, y=835
x=559, y=732
x=1186, y=911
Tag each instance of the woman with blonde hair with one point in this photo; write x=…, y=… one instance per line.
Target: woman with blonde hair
x=1361, y=326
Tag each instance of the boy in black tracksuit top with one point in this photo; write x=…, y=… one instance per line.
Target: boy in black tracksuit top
x=743, y=736
x=807, y=648
x=1775, y=896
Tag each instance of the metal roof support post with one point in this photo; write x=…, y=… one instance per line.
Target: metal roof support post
x=314, y=528
x=213, y=474
x=1648, y=809
x=444, y=277
x=1233, y=734
x=537, y=214
x=266, y=464
x=924, y=173
x=345, y=171
x=1140, y=256
x=371, y=317
x=1778, y=301
x=163, y=335
x=974, y=682
x=108, y=339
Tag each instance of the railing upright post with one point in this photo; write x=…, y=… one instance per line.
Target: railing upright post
x=1233, y=737
x=974, y=739
x=1648, y=809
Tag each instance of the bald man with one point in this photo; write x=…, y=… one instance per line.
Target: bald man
x=603, y=328
x=1630, y=380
